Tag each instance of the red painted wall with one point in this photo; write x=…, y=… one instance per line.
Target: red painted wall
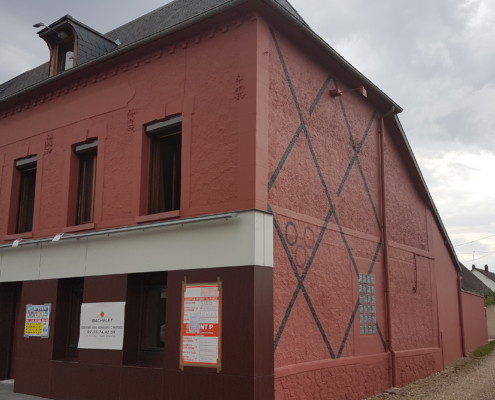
x=474, y=315
x=207, y=74
x=324, y=189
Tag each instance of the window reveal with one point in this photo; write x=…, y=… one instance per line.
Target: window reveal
x=68, y=316
x=65, y=55
x=75, y=299
x=27, y=186
x=144, y=339
x=165, y=165
x=86, y=153
x=153, y=317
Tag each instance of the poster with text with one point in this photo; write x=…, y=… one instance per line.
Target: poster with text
x=201, y=325
x=102, y=326
x=37, y=322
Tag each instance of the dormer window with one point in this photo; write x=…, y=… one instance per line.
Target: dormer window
x=61, y=40
x=72, y=43
x=65, y=55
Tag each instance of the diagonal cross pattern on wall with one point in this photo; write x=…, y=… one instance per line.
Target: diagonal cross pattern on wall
x=302, y=133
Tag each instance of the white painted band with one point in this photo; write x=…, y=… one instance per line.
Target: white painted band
x=245, y=240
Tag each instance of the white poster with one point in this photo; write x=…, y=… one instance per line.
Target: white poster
x=102, y=326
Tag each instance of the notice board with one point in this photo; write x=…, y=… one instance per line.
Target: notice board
x=201, y=319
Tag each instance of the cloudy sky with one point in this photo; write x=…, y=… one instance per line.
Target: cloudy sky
x=433, y=57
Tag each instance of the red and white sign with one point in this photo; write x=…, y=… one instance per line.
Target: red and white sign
x=201, y=325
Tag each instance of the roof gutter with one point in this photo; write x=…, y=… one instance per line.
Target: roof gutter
x=370, y=86
x=210, y=13
x=124, y=229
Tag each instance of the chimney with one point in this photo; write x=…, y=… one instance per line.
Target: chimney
x=473, y=267
x=486, y=267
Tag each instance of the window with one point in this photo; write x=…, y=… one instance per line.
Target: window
x=153, y=314
x=68, y=315
x=27, y=186
x=165, y=165
x=86, y=154
x=65, y=56
x=144, y=342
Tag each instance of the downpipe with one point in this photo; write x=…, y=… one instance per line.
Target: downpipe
x=384, y=234
x=461, y=315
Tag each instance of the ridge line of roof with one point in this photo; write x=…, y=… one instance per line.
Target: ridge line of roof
x=76, y=21
x=338, y=56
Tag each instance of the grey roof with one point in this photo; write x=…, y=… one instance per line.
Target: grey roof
x=488, y=274
x=471, y=283
x=24, y=81
x=93, y=44
x=175, y=13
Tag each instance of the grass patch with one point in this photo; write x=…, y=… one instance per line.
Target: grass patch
x=483, y=350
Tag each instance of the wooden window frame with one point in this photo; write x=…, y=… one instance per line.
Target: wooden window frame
x=63, y=50
x=165, y=167
x=59, y=47
x=27, y=170
x=137, y=348
x=87, y=154
x=68, y=317
x=152, y=317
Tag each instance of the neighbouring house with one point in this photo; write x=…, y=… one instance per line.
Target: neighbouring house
x=485, y=276
x=209, y=202
x=471, y=283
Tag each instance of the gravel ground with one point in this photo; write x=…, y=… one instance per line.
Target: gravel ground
x=467, y=379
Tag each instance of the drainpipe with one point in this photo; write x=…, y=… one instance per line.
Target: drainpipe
x=384, y=235
x=461, y=315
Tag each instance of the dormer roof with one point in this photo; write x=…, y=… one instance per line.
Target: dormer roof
x=90, y=44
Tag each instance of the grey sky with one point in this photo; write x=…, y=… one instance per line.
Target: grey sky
x=433, y=57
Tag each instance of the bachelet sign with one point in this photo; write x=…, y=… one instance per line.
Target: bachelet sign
x=102, y=326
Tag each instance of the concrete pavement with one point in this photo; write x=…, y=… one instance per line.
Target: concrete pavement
x=7, y=392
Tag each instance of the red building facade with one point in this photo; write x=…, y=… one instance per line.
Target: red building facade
x=223, y=146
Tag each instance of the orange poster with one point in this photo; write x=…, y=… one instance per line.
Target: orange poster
x=201, y=325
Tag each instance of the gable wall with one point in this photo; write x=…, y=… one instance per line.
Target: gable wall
x=325, y=192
